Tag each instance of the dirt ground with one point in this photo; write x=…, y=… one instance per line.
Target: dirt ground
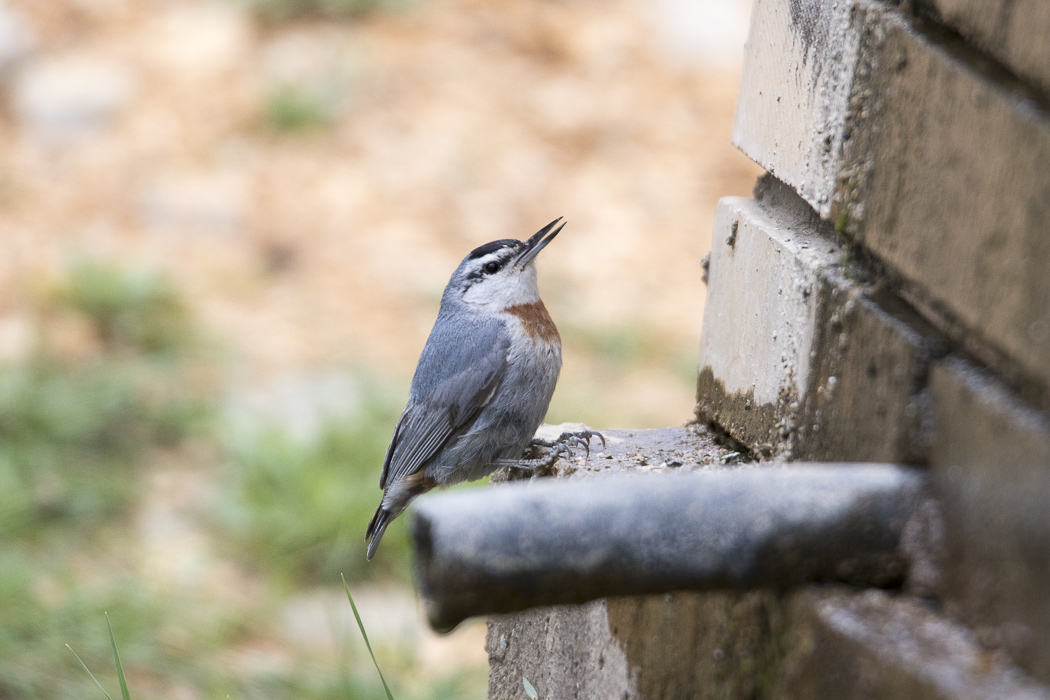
x=447, y=124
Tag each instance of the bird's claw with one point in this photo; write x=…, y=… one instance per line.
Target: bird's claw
x=567, y=441
x=559, y=449
x=581, y=438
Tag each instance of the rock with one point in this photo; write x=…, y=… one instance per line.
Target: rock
x=16, y=37
x=203, y=203
x=71, y=95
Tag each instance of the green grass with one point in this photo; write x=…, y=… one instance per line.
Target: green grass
x=364, y=635
x=73, y=429
x=131, y=310
x=292, y=108
x=72, y=435
x=615, y=346
x=53, y=596
x=125, y=693
x=285, y=10
x=75, y=433
x=298, y=509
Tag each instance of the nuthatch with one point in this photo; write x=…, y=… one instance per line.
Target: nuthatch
x=483, y=382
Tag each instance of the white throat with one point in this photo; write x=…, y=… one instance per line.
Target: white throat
x=511, y=288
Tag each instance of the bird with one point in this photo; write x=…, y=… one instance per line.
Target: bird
x=483, y=383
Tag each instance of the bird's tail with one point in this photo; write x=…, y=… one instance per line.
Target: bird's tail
x=376, y=528
x=396, y=498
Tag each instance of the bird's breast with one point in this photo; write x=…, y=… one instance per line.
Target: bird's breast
x=535, y=323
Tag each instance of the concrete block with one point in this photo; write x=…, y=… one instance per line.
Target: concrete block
x=865, y=397
x=800, y=60
x=682, y=645
x=873, y=645
x=798, y=358
x=991, y=472
x=917, y=150
x=1014, y=32
x=760, y=318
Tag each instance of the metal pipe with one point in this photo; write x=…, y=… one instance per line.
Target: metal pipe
x=543, y=542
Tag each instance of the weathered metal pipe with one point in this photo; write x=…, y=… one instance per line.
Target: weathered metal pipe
x=544, y=542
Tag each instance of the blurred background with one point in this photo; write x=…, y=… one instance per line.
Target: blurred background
x=225, y=227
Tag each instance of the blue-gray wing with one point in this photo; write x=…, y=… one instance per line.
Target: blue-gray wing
x=460, y=369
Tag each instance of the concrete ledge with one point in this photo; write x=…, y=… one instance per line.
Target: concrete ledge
x=905, y=141
x=991, y=472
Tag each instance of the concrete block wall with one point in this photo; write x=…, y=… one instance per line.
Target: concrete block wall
x=885, y=296
x=919, y=148
x=916, y=138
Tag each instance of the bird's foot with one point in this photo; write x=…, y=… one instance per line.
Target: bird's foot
x=549, y=451
x=580, y=438
x=554, y=450
x=539, y=464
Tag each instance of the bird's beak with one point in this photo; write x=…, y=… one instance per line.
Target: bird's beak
x=538, y=242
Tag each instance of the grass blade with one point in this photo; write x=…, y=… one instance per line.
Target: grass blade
x=361, y=626
x=116, y=657
x=529, y=690
x=89, y=672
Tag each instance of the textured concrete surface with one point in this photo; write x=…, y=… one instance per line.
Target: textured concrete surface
x=865, y=399
x=680, y=646
x=760, y=319
x=905, y=139
x=548, y=541
x=662, y=450
x=991, y=471
x=761, y=309
x=1014, y=32
x=842, y=644
x=799, y=66
x=906, y=229
x=799, y=355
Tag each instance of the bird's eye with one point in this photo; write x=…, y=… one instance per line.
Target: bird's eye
x=492, y=268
